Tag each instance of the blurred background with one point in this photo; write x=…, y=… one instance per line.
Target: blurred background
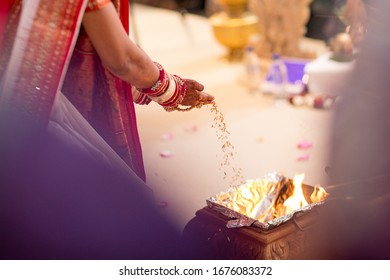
x=324, y=22
x=275, y=69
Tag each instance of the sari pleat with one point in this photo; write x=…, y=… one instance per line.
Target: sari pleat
x=105, y=100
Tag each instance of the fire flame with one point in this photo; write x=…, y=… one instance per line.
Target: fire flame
x=264, y=201
x=297, y=199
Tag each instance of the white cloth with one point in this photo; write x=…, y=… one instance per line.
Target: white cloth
x=68, y=125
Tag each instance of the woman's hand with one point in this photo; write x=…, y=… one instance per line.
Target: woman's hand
x=195, y=95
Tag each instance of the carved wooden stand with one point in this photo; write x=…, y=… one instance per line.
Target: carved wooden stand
x=208, y=234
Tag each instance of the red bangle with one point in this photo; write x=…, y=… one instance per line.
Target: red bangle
x=179, y=94
x=160, y=86
x=142, y=99
x=156, y=92
x=139, y=98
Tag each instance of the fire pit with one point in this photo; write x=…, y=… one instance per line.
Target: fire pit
x=274, y=227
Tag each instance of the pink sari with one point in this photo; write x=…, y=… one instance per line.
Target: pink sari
x=103, y=99
x=64, y=192
x=39, y=39
x=38, y=60
x=38, y=53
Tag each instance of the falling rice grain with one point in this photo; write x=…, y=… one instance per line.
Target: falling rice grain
x=228, y=165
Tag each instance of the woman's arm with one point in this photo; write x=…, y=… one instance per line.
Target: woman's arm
x=118, y=53
x=125, y=59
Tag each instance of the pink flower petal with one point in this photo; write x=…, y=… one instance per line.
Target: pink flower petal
x=166, y=154
x=305, y=145
x=191, y=128
x=162, y=204
x=303, y=157
x=167, y=136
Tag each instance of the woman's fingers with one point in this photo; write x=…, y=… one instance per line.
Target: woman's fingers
x=194, y=84
x=195, y=95
x=205, y=97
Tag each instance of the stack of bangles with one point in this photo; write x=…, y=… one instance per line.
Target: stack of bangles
x=169, y=91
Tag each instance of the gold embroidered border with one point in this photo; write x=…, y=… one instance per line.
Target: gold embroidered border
x=46, y=54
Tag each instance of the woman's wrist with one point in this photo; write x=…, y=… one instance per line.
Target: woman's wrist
x=159, y=86
x=177, y=95
x=169, y=90
x=139, y=97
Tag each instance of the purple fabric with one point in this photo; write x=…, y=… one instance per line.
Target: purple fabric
x=295, y=70
x=56, y=203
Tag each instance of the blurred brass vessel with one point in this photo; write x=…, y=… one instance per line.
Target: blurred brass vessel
x=234, y=26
